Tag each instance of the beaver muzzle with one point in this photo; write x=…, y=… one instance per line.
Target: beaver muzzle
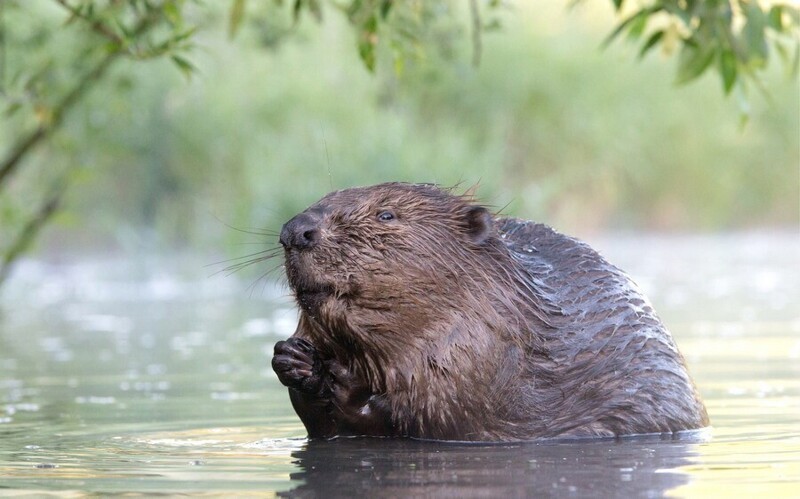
x=300, y=233
x=298, y=236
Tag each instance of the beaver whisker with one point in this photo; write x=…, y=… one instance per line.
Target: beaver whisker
x=272, y=251
x=253, y=231
x=261, y=256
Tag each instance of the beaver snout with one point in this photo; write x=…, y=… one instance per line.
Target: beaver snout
x=300, y=233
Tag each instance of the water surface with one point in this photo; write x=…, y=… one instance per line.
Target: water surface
x=150, y=376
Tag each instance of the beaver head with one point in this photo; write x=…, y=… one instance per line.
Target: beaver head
x=384, y=265
x=383, y=248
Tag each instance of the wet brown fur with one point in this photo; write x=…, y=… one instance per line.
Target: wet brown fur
x=448, y=323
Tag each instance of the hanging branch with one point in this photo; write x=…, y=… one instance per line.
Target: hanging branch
x=476, y=33
x=48, y=208
x=47, y=127
x=2, y=47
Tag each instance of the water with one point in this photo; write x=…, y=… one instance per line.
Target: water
x=149, y=376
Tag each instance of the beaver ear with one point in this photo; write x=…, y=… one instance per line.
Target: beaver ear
x=479, y=224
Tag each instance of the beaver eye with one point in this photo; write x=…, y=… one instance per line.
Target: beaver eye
x=385, y=216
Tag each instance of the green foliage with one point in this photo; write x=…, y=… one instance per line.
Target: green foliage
x=54, y=52
x=736, y=37
x=549, y=126
x=408, y=29
x=52, y=55
x=546, y=124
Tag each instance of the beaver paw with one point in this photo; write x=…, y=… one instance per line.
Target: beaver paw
x=297, y=365
x=344, y=386
x=356, y=410
x=348, y=394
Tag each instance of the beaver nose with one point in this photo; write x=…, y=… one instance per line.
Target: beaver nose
x=301, y=232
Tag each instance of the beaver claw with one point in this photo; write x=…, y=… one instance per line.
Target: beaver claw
x=297, y=365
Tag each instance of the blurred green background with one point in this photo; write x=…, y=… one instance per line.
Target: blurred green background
x=549, y=125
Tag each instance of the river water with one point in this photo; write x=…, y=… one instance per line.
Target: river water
x=151, y=376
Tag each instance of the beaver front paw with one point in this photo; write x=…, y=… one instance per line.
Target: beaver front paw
x=354, y=407
x=297, y=365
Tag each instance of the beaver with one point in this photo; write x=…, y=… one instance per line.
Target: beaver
x=424, y=315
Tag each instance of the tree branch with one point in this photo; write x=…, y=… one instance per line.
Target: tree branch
x=18, y=151
x=9, y=165
x=24, y=239
x=46, y=128
x=476, y=33
x=2, y=47
x=96, y=25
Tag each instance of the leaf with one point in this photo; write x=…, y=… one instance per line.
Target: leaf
x=112, y=47
x=775, y=18
x=44, y=115
x=637, y=27
x=368, y=39
x=753, y=32
x=315, y=9
x=617, y=4
x=353, y=9
x=641, y=14
x=727, y=69
x=651, y=42
x=366, y=51
x=235, y=17
x=296, y=10
x=186, y=67
x=386, y=7
x=693, y=62
x=172, y=13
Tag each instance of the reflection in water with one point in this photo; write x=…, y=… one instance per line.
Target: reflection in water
x=408, y=468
